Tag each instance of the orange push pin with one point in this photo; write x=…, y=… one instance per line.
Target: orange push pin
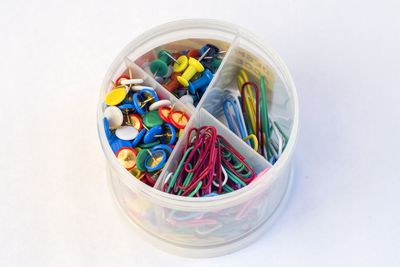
x=193, y=68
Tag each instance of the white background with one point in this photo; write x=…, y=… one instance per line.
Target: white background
x=55, y=206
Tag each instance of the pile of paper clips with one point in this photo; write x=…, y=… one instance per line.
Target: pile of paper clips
x=250, y=120
x=209, y=166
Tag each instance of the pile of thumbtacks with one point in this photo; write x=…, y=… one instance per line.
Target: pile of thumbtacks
x=142, y=129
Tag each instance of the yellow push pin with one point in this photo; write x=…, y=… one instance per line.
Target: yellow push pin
x=181, y=64
x=193, y=68
x=115, y=96
x=137, y=173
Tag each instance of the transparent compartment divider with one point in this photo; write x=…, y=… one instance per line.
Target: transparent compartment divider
x=207, y=97
x=176, y=154
x=161, y=91
x=203, y=118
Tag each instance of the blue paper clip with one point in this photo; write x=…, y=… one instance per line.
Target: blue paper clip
x=239, y=128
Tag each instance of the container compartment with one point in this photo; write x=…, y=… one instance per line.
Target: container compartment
x=189, y=226
x=176, y=48
x=242, y=56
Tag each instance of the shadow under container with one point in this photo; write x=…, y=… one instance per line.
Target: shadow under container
x=208, y=226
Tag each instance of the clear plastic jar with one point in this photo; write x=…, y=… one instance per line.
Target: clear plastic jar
x=209, y=226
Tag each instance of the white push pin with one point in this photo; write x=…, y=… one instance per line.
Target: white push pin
x=187, y=99
x=131, y=81
x=114, y=116
x=127, y=133
x=141, y=87
x=158, y=104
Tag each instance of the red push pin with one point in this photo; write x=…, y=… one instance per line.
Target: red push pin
x=173, y=83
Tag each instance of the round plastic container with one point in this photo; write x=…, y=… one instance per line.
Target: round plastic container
x=208, y=226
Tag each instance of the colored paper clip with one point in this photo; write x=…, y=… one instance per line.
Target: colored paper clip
x=209, y=164
x=249, y=99
x=251, y=113
x=236, y=124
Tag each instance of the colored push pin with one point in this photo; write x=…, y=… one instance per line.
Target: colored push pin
x=150, y=136
x=137, y=173
x=139, y=102
x=164, y=112
x=107, y=128
x=151, y=178
x=127, y=157
x=126, y=109
x=117, y=143
x=195, y=53
x=141, y=159
x=155, y=160
x=149, y=145
x=181, y=64
x=210, y=50
x=164, y=147
x=193, y=68
x=115, y=96
x=136, y=121
x=204, y=80
x=160, y=66
x=139, y=138
x=168, y=137
x=178, y=119
x=152, y=119
x=173, y=83
x=215, y=63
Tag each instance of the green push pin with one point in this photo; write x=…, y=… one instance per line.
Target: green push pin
x=152, y=119
x=159, y=67
x=149, y=145
x=141, y=160
x=215, y=63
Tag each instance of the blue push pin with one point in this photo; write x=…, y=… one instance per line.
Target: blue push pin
x=156, y=160
x=139, y=138
x=204, y=80
x=202, y=90
x=107, y=128
x=169, y=137
x=127, y=106
x=117, y=143
x=151, y=135
x=166, y=148
x=142, y=98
